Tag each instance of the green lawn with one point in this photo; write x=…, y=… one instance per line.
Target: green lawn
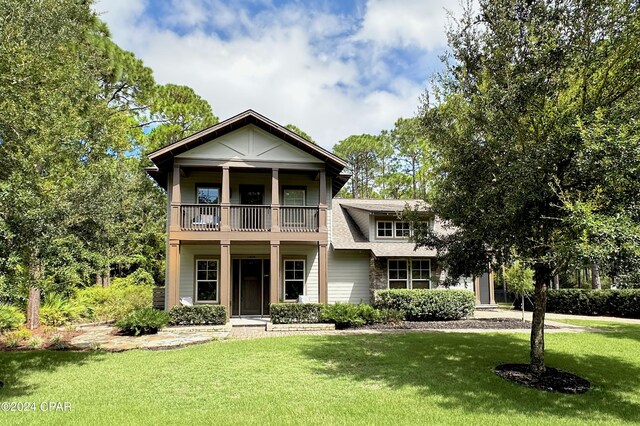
x=412, y=379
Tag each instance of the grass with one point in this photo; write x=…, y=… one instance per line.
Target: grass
x=434, y=378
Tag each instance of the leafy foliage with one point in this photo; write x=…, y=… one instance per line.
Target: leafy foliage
x=347, y=315
x=10, y=317
x=295, y=313
x=427, y=305
x=57, y=310
x=143, y=321
x=198, y=315
x=115, y=302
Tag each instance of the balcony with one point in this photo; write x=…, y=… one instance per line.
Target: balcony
x=249, y=218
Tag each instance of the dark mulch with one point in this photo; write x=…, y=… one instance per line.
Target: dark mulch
x=488, y=323
x=552, y=380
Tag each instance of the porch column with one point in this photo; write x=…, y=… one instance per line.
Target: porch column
x=322, y=213
x=275, y=201
x=174, y=223
x=323, y=257
x=173, y=280
x=225, y=275
x=224, y=204
x=476, y=289
x=274, y=278
x=492, y=298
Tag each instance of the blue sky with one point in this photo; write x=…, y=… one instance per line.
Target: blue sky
x=333, y=68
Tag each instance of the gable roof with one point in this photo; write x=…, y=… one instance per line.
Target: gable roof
x=347, y=235
x=163, y=158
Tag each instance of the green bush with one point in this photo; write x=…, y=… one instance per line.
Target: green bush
x=198, y=315
x=295, y=313
x=115, y=302
x=346, y=315
x=614, y=303
x=427, y=305
x=10, y=317
x=57, y=310
x=143, y=321
x=391, y=316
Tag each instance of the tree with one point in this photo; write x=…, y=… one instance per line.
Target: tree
x=409, y=143
x=520, y=281
x=534, y=94
x=299, y=132
x=360, y=153
x=175, y=113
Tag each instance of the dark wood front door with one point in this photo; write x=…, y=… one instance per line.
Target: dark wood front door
x=250, y=287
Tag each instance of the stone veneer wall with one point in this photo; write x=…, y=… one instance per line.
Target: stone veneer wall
x=377, y=273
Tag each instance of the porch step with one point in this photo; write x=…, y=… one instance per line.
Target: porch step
x=249, y=322
x=487, y=307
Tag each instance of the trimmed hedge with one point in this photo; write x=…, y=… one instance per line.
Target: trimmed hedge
x=296, y=313
x=347, y=315
x=427, y=305
x=198, y=315
x=613, y=303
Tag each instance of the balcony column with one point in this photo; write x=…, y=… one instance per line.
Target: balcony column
x=174, y=223
x=323, y=257
x=322, y=207
x=224, y=204
x=275, y=201
x=225, y=275
x=274, y=278
x=173, y=278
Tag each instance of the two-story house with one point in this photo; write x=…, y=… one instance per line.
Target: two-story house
x=252, y=220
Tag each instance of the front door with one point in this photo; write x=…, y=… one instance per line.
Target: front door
x=250, y=287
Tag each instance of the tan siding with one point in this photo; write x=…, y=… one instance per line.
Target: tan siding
x=362, y=220
x=310, y=254
x=348, y=276
x=188, y=254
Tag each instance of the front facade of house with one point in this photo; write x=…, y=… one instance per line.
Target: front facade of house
x=252, y=220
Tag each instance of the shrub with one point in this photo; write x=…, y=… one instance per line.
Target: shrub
x=346, y=315
x=295, y=313
x=57, y=311
x=143, y=321
x=57, y=342
x=115, y=302
x=615, y=303
x=35, y=342
x=391, y=316
x=198, y=315
x=10, y=317
x=427, y=305
x=141, y=277
x=13, y=339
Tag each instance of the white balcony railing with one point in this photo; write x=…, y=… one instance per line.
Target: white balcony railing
x=250, y=218
x=298, y=219
x=200, y=217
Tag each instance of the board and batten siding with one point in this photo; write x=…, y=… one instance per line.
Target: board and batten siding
x=348, y=276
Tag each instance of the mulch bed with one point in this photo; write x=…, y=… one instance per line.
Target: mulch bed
x=488, y=323
x=45, y=334
x=552, y=380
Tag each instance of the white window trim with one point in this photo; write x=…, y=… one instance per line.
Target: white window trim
x=195, y=287
x=393, y=230
x=304, y=197
x=284, y=279
x=427, y=280
x=409, y=280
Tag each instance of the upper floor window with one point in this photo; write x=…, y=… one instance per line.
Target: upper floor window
x=393, y=229
x=207, y=194
x=294, y=197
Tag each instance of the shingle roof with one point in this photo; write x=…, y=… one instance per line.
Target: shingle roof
x=347, y=235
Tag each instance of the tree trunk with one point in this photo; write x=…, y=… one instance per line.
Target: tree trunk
x=33, y=308
x=556, y=282
x=595, y=277
x=523, y=308
x=537, y=324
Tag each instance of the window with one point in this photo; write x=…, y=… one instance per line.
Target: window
x=420, y=273
x=206, y=280
x=294, y=197
x=293, y=279
x=398, y=273
x=402, y=230
x=385, y=229
x=207, y=194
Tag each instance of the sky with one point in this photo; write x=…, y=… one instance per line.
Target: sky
x=332, y=68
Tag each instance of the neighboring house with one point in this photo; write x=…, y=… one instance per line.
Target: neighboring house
x=252, y=221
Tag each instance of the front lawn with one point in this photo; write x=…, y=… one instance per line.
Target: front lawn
x=434, y=378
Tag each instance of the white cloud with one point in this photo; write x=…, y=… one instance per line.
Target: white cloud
x=407, y=23
x=281, y=63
